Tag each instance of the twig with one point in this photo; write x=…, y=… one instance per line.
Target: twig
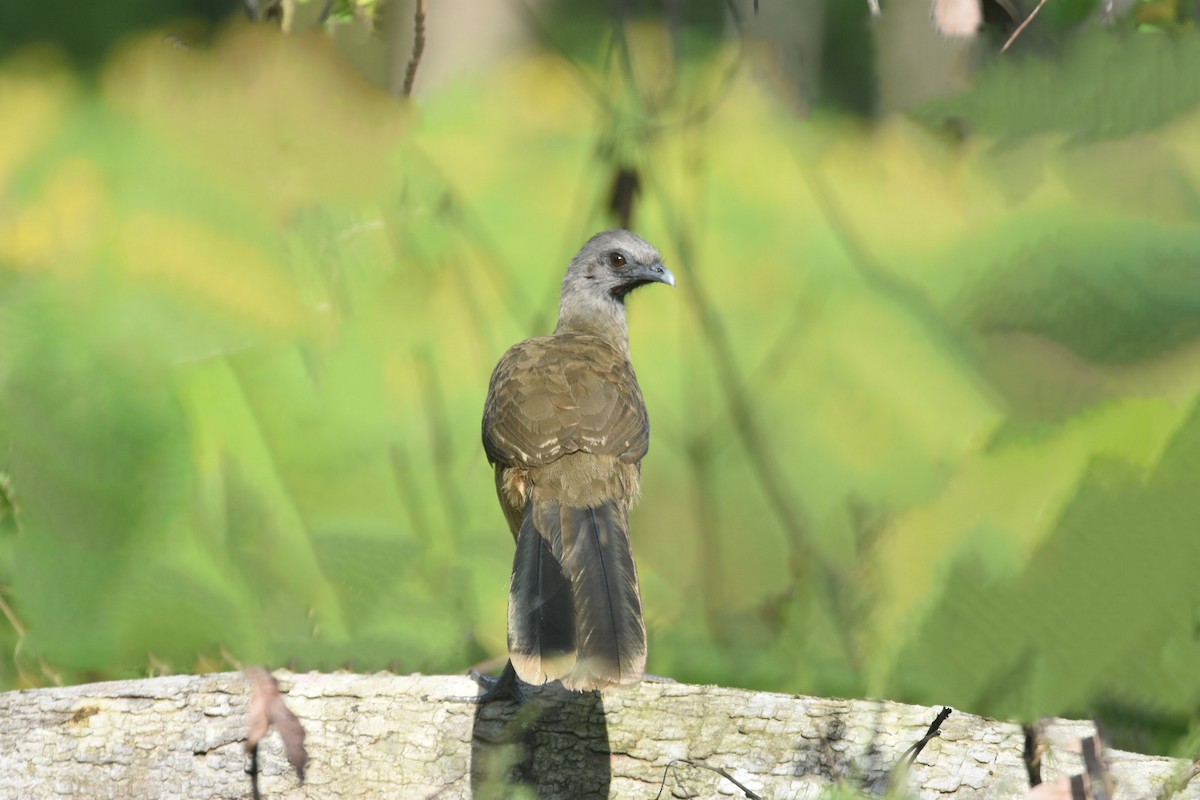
x=401, y=467
x=410, y=72
x=8, y=499
x=252, y=771
x=874, y=6
x=898, y=775
x=935, y=730
x=700, y=458
x=755, y=441
x=908, y=295
x=1032, y=754
x=1098, y=779
x=543, y=34
x=13, y=620
x=443, y=448
x=452, y=209
x=1022, y=26
x=1178, y=782
x=746, y=791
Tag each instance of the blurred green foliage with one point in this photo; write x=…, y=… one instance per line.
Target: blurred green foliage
x=87, y=32
x=925, y=404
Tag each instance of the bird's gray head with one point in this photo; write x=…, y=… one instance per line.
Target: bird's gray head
x=610, y=266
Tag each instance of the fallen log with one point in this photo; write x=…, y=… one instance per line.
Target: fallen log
x=383, y=735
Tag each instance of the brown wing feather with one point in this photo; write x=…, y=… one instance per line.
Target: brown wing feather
x=555, y=395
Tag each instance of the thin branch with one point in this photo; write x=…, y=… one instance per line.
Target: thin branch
x=1099, y=780
x=700, y=459
x=325, y=12
x=934, y=731
x=410, y=72
x=589, y=83
x=670, y=770
x=888, y=283
x=1032, y=754
x=755, y=441
x=443, y=447
x=12, y=618
x=1022, y=26
x=252, y=771
x=454, y=209
x=1178, y=782
x=406, y=486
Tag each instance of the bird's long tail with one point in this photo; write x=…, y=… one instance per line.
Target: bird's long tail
x=574, y=611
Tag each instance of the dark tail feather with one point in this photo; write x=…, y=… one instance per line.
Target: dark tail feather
x=609, y=631
x=574, y=611
x=541, y=612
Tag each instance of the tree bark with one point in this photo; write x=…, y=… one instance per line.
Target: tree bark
x=419, y=737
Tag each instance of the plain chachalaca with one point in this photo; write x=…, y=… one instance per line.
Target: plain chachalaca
x=565, y=426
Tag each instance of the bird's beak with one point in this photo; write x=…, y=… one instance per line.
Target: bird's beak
x=656, y=273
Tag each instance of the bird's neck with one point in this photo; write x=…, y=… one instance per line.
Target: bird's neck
x=604, y=319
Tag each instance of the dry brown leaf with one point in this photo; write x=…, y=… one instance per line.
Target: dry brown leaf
x=267, y=708
x=292, y=733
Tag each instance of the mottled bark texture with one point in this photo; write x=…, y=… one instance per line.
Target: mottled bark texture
x=414, y=737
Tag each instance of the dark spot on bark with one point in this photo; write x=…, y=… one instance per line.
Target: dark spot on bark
x=83, y=713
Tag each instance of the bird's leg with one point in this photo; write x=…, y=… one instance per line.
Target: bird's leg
x=505, y=687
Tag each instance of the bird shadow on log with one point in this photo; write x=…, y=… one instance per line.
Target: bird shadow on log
x=554, y=744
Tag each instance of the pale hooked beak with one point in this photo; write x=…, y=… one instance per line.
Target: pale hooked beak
x=657, y=273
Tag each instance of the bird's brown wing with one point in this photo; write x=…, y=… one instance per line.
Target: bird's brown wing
x=562, y=394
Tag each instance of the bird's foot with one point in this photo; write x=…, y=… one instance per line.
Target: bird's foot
x=505, y=687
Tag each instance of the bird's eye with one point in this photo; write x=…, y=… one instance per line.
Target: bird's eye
x=616, y=260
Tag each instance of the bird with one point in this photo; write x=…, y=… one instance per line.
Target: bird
x=565, y=428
